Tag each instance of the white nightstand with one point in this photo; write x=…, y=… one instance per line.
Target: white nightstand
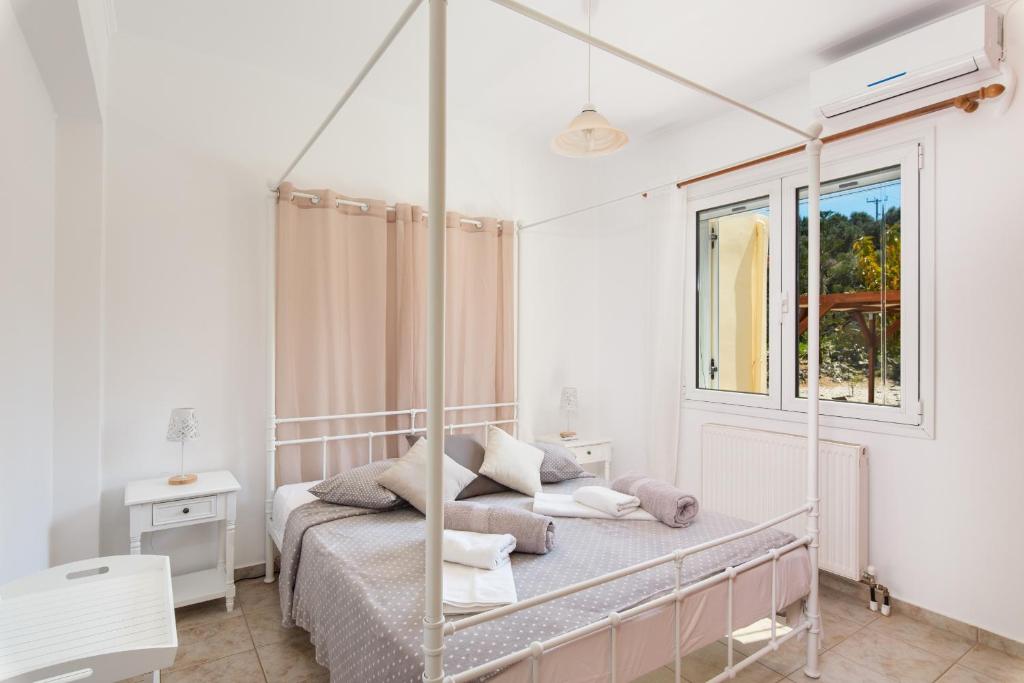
x=587, y=451
x=155, y=505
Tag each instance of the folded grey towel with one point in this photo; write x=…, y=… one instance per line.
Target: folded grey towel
x=535, y=534
x=670, y=505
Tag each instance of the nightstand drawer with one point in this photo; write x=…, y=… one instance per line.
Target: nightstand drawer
x=177, y=511
x=598, y=453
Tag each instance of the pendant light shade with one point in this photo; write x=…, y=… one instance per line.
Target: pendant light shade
x=589, y=135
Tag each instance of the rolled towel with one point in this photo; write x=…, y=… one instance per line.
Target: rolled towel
x=534, y=533
x=483, y=551
x=669, y=504
x=605, y=499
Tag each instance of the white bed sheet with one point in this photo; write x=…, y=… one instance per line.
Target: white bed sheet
x=286, y=499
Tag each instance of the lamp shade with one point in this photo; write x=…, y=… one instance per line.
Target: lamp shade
x=183, y=426
x=589, y=135
x=570, y=399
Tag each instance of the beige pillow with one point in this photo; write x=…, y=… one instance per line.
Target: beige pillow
x=408, y=477
x=512, y=462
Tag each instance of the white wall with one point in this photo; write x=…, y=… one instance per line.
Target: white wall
x=26, y=306
x=945, y=511
x=188, y=158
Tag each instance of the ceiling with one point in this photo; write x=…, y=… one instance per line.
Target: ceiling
x=524, y=79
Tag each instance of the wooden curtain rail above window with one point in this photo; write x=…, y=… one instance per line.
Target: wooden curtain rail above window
x=968, y=102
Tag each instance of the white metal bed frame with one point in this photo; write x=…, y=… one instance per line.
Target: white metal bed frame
x=273, y=444
x=435, y=628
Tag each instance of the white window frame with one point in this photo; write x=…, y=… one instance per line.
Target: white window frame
x=908, y=412
x=771, y=399
x=915, y=416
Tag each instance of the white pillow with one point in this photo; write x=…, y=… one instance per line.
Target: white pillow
x=408, y=477
x=511, y=462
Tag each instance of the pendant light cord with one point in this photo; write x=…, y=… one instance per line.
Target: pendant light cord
x=590, y=32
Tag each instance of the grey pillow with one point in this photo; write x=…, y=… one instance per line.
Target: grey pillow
x=358, y=487
x=558, y=465
x=469, y=453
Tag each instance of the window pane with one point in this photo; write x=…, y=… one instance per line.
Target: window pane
x=860, y=288
x=732, y=297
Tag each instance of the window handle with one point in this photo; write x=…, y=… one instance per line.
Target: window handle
x=713, y=369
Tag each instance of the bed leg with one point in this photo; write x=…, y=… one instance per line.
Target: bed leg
x=268, y=549
x=156, y=676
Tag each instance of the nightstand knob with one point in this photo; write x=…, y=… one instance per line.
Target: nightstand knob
x=184, y=511
x=589, y=453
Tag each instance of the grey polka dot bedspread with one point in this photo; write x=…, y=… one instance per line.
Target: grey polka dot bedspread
x=353, y=578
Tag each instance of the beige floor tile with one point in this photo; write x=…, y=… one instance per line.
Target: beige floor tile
x=211, y=640
x=662, y=675
x=213, y=610
x=241, y=668
x=836, y=629
x=265, y=626
x=841, y=605
x=930, y=639
x=892, y=657
x=291, y=661
x=838, y=669
x=709, y=661
x=994, y=663
x=255, y=594
x=961, y=674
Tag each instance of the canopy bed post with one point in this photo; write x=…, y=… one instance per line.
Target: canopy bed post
x=811, y=668
x=271, y=321
x=433, y=616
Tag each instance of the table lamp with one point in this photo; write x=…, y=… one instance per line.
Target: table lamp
x=184, y=426
x=570, y=401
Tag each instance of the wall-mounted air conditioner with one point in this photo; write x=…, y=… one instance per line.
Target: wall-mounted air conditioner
x=952, y=53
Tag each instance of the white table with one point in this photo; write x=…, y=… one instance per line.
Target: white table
x=587, y=450
x=103, y=619
x=155, y=505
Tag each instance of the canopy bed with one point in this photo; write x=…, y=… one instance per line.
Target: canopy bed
x=611, y=617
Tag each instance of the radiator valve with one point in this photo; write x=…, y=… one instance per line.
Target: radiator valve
x=879, y=599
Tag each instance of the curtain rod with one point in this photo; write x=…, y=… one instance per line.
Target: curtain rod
x=403, y=19
x=968, y=102
x=363, y=206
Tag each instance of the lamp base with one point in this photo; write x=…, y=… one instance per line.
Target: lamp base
x=179, y=479
x=567, y=435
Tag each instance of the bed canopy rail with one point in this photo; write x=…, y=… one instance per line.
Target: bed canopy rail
x=433, y=618
x=968, y=102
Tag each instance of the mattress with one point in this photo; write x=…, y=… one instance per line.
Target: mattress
x=286, y=499
x=356, y=583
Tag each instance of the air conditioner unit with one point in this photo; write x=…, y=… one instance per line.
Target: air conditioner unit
x=956, y=52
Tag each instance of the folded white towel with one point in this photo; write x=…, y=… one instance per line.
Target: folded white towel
x=606, y=500
x=484, y=551
x=468, y=590
x=562, y=505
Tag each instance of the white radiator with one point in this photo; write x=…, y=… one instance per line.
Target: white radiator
x=756, y=475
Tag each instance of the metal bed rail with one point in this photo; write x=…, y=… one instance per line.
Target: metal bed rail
x=534, y=653
x=273, y=444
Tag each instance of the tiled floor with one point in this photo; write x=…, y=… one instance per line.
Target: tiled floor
x=249, y=645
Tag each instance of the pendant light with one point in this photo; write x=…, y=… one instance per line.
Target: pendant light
x=589, y=134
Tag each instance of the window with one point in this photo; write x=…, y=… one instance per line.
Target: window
x=732, y=297
x=749, y=292
x=860, y=289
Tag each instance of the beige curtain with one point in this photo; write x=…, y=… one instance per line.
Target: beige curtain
x=351, y=323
